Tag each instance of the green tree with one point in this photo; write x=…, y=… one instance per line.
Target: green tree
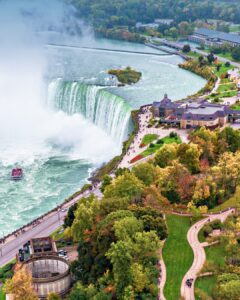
x=126, y=228
x=145, y=172
x=84, y=217
x=165, y=155
x=127, y=185
x=189, y=155
x=120, y=255
x=186, y=48
x=236, y=53
x=106, y=181
x=70, y=216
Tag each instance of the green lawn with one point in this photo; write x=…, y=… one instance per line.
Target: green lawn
x=2, y=295
x=226, y=87
x=228, y=94
x=215, y=255
x=236, y=106
x=205, y=284
x=166, y=140
x=149, y=138
x=177, y=255
x=222, y=70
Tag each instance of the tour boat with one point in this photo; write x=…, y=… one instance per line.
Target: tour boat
x=17, y=174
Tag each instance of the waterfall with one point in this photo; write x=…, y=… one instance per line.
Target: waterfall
x=108, y=111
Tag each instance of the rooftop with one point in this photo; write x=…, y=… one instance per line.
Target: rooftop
x=213, y=34
x=205, y=109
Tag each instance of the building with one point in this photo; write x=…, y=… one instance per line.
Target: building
x=214, y=38
x=204, y=114
x=50, y=273
x=147, y=26
x=163, y=21
x=193, y=114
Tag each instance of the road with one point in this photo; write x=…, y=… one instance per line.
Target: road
x=46, y=226
x=199, y=253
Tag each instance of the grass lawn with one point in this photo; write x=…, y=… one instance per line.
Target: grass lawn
x=234, y=201
x=2, y=295
x=166, y=140
x=226, y=87
x=205, y=284
x=177, y=255
x=228, y=94
x=222, y=70
x=149, y=138
x=193, y=54
x=236, y=106
x=215, y=255
x=225, y=80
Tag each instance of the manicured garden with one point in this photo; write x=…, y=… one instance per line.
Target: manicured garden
x=148, y=139
x=177, y=255
x=166, y=140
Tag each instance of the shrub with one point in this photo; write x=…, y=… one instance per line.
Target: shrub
x=151, y=145
x=173, y=134
x=217, y=224
x=207, y=230
x=160, y=142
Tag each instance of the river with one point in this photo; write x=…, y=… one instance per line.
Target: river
x=66, y=119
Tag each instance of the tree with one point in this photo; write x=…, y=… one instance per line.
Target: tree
x=127, y=185
x=210, y=58
x=53, y=296
x=228, y=287
x=106, y=181
x=236, y=53
x=70, y=216
x=186, y=48
x=189, y=155
x=126, y=228
x=165, y=155
x=145, y=172
x=120, y=255
x=231, y=137
x=84, y=217
x=108, y=205
x=21, y=285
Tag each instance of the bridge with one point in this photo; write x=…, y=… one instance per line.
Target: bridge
x=110, y=50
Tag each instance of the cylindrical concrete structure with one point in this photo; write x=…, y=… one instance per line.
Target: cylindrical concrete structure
x=49, y=274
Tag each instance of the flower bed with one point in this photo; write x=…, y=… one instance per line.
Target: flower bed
x=136, y=158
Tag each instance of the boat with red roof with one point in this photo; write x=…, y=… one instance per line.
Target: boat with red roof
x=17, y=174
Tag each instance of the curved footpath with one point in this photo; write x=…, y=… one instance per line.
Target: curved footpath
x=162, y=277
x=198, y=251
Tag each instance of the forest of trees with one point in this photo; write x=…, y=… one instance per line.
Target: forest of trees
x=107, y=14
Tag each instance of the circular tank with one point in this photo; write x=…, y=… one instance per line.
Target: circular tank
x=49, y=274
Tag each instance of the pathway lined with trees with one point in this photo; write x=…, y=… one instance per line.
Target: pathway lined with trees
x=199, y=254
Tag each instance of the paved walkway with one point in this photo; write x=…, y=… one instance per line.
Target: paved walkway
x=162, y=277
x=199, y=253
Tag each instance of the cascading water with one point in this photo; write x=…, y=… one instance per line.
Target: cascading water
x=108, y=111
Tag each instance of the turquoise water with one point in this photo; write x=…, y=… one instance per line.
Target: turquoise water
x=59, y=135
